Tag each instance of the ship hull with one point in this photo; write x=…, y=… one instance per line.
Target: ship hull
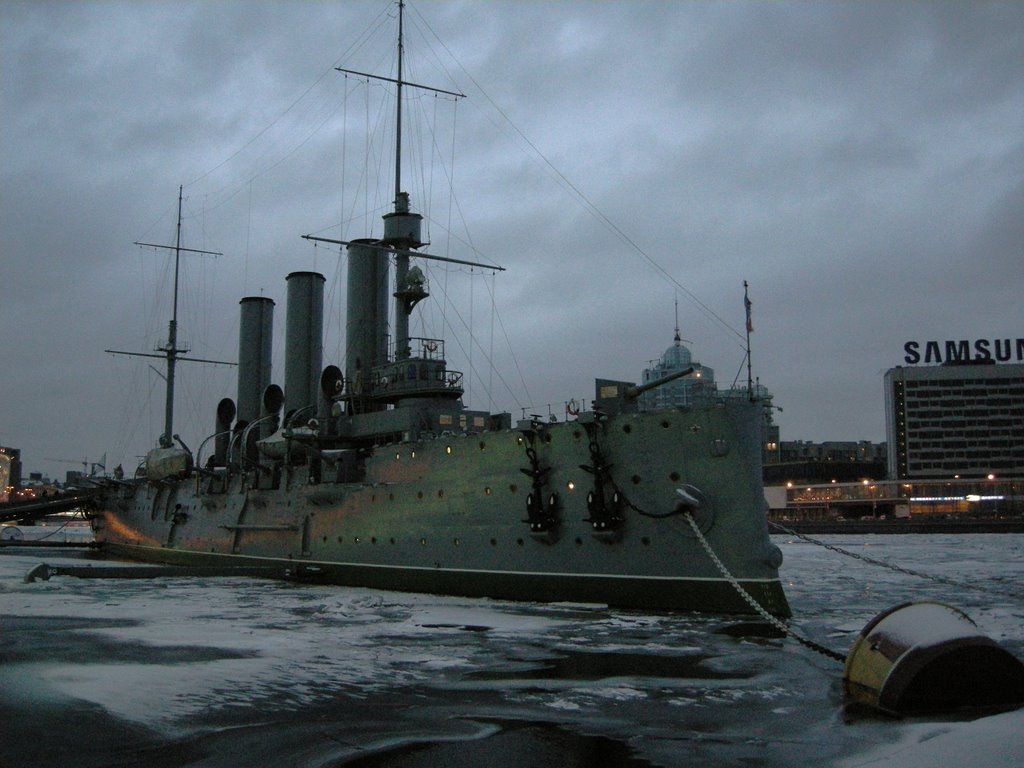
x=450, y=516
x=648, y=593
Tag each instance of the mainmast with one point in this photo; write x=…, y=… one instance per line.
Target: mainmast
x=401, y=227
x=406, y=294
x=398, y=106
x=171, y=352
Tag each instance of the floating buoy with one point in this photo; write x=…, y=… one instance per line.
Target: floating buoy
x=920, y=657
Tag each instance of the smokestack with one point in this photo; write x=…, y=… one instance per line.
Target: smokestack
x=255, y=345
x=367, y=318
x=304, y=341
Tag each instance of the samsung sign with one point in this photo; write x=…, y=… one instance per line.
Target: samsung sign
x=996, y=350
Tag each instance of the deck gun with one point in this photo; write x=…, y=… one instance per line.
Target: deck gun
x=621, y=396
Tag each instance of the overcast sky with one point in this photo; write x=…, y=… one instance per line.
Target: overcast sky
x=861, y=165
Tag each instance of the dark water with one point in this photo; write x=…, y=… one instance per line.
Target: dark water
x=235, y=672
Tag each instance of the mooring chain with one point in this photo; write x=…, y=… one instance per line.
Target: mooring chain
x=749, y=600
x=898, y=568
x=56, y=530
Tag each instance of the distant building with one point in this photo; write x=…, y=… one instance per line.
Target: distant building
x=803, y=461
x=832, y=450
x=699, y=387
x=10, y=471
x=963, y=418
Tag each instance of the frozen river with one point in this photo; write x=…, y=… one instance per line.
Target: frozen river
x=246, y=672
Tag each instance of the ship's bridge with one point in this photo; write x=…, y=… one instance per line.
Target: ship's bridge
x=423, y=374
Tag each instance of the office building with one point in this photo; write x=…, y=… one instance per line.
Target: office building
x=962, y=418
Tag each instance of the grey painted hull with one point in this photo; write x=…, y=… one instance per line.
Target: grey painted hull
x=449, y=516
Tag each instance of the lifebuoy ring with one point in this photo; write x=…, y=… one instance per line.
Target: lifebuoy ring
x=430, y=346
x=573, y=408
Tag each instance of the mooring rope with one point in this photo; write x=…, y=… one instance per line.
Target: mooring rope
x=749, y=599
x=898, y=568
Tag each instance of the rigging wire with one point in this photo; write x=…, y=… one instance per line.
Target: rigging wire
x=355, y=46
x=586, y=202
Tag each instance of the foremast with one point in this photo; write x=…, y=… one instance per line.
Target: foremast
x=171, y=353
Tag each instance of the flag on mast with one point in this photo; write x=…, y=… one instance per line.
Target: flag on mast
x=746, y=305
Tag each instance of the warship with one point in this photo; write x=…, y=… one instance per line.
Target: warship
x=380, y=476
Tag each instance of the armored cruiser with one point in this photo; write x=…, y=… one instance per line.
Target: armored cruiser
x=379, y=476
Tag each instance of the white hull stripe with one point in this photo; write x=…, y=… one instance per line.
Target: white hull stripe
x=432, y=569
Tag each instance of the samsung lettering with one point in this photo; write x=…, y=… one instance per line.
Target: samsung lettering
x=997, y=350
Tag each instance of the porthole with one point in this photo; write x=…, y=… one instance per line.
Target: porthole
x=579, y=542
x=627, y=428
x=635, y=479
x=570, y=486
x=419, y=494
x=645, y=541
x=440, y=494
x=674, y=477
x=392, y=539
x=487, y=491
x=513, y=488
x=494, y=542
x=457, y=542
x=519, y=542
x=483, y=445
x=423, y=542
x=448, y=450
x=373, y=539
x=665, y=424
x=356, y=539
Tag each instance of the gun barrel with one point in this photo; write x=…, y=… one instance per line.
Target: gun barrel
x=634, y=392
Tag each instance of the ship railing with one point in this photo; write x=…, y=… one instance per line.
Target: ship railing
x=428, y=349
x=409, y=377
x=420, y=348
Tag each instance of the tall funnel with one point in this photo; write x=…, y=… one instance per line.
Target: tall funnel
x=304, y=341
x=367, y=318
x=255, y=343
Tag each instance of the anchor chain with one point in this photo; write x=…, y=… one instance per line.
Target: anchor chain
x=898, y=568
x=749, y=600
x=540, y=517
x=605, y=514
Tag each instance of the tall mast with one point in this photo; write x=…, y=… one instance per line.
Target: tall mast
x=172, y=340
x=171, y=352
x=401, y=226
x=398, y=106
x=411, y=234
